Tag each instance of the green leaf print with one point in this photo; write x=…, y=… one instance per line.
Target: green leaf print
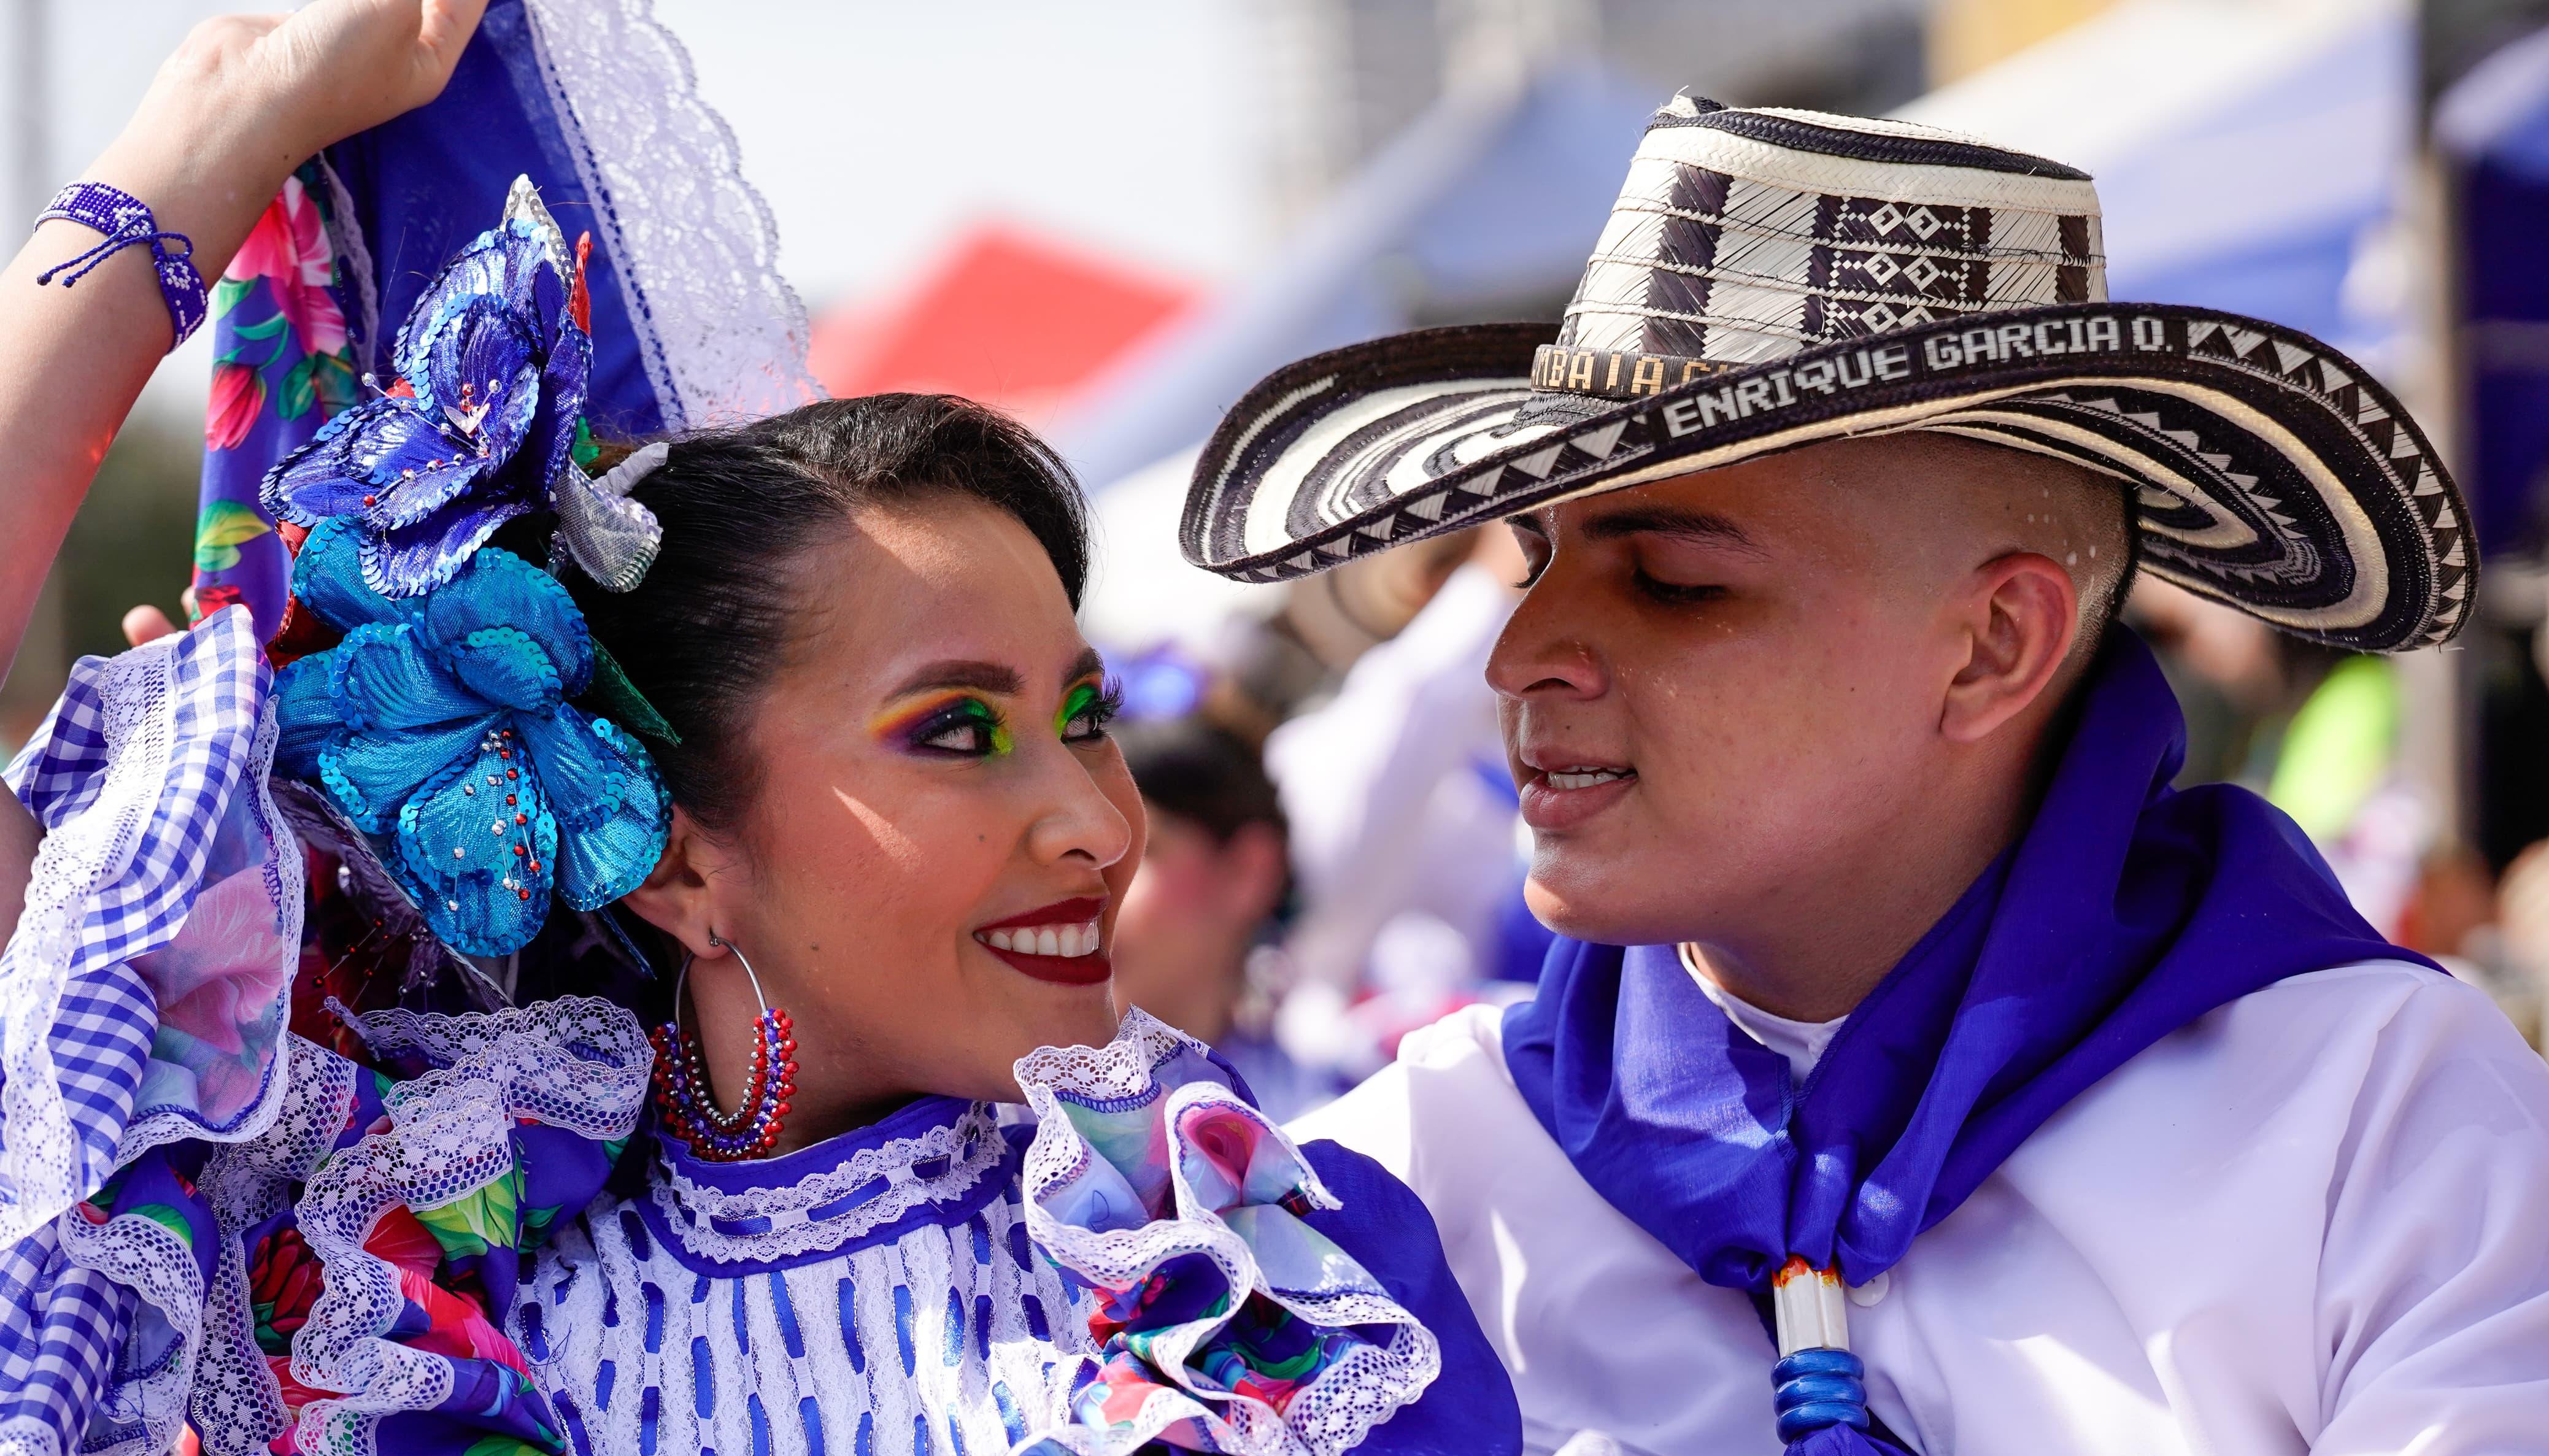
x=294, y=397
x=332, y=377
x=266, y=330
x=220, y=530
x=227, y=292
x=474, y=1222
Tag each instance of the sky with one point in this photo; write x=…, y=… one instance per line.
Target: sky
x=877, y=129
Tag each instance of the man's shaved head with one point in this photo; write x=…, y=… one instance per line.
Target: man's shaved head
x=1741, y=701
x=1957, y=503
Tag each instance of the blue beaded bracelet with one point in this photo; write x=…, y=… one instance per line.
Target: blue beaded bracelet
x=127, y=222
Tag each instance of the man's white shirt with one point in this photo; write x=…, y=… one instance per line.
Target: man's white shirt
x=2315, y=1220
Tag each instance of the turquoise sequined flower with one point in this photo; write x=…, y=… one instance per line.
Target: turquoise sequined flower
x=443, y=727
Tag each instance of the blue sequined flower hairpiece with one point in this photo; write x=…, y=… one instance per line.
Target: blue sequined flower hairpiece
x=480, y=426
x=442, y=727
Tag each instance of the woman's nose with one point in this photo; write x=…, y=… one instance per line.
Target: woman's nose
x=1080, y=819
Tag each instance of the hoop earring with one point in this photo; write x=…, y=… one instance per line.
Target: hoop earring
x=684, y=1100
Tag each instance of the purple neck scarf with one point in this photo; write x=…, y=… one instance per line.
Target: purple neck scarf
x=2127, y=910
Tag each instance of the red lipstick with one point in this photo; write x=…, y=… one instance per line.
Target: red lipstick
x=1063, y=943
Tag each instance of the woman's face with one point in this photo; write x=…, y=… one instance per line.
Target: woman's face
x=928, y=878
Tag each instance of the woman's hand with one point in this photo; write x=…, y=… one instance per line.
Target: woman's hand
x=249, y=97
x=244, y=101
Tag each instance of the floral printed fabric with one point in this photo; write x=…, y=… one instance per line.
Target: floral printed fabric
x=285, y=361
x=373, y=1296
x=142, y=1018
x=1227, y=1322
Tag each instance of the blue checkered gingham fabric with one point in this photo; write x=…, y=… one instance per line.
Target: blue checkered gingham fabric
x=62, y=1327
x=213, y=680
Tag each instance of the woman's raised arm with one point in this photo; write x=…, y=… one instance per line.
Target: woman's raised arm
x=244, y=101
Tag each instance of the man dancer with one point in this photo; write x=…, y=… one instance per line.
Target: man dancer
x=1960, y=1086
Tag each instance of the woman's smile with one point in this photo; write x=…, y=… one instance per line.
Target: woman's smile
x=1062, y=942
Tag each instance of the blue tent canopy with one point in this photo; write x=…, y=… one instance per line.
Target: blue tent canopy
x=2494, y=128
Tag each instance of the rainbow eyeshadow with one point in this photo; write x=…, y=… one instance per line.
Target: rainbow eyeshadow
x=1076, y=702
x=925, y=720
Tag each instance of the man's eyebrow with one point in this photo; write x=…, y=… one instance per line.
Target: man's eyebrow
x=980, y=677
x=1670, y=520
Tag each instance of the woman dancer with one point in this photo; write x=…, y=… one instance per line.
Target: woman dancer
x=794, y=720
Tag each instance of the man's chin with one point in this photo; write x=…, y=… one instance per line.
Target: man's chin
x=1582, y=903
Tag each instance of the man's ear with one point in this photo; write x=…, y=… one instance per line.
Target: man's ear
x=2024, y=612
x=678, y=895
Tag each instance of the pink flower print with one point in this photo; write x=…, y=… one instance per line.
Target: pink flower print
x=239, y=398
x=289, y=247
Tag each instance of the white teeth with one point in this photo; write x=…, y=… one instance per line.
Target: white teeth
x=1581, y=778
x=1069, y=941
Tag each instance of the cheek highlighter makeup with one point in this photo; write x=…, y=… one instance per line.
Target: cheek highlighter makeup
x=1058, y=942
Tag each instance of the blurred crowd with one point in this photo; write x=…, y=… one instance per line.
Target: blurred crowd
x=1337, y=857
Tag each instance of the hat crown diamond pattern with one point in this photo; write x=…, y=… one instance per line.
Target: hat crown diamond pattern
x=1744, y=235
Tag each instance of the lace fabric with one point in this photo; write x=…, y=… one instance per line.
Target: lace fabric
x=145, y=1409
x=133, y=778
x=1149, y=1172
x=578, y=1064
x=764, y=1224
x=722, y=334
x=948, y=1334
x=239, y=1407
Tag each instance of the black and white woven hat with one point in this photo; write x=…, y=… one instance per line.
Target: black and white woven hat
x=1773, y=278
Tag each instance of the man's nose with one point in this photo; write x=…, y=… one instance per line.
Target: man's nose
x=1542, y=652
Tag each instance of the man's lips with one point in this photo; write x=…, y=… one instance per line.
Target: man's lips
x=1559, y=792
x=1063, y=942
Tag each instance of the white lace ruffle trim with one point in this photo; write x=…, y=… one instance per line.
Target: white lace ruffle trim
x=576, y=1063
x=1368, y=1383
x=131, y=777
x=722, y=336
x=972, y=1147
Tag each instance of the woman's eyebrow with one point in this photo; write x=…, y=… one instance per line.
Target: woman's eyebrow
x=1087, y=664
x=980, y=677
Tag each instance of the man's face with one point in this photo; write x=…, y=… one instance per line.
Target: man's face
x=1725, y=686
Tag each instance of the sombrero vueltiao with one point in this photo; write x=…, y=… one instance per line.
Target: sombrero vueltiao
x=1773, y=278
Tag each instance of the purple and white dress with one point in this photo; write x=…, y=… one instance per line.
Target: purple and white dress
x=464, y=1238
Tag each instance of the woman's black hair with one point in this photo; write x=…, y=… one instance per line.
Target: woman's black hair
x=701, y=634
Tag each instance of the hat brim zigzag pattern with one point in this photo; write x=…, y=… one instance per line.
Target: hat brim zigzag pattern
x=2270, y=472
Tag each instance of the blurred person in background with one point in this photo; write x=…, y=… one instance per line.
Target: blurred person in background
x=1205, y=905
x=1914, y=1053
x=2317, y=732
x=1405, y=826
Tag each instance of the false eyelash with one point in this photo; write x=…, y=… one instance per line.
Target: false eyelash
x=1103, y=708
x=1109, y=702
x=963, y=712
